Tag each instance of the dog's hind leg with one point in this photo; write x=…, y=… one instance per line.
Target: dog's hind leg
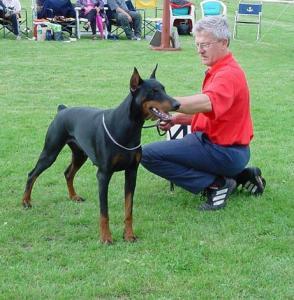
x=103, y=180
x=54, y=142
x=45, y=161
x=78, y=159
x=130, y=185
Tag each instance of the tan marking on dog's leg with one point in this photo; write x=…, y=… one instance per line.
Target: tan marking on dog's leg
x=69, y=176
x=128, y=231
x=26, y=199
x=69, y=181
x=105, y=231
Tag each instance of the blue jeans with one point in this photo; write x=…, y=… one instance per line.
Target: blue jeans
x=194, y=162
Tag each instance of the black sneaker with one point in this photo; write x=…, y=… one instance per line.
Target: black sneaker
x=135, y=38
x=218, y=195
x=86, y=26
x=251, y=180
x=112, y=37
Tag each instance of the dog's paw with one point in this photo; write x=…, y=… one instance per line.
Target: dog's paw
x=77, y=198
x=130, y=238
x=26, y=205
x=107, y=241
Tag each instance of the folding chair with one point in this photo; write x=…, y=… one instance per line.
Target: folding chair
x=248, y=13
x=213, y=8
x=182, y=14
x=149, y=23
x=81, y=22
x=7, y=28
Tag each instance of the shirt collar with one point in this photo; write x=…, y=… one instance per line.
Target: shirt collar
x=221, y=62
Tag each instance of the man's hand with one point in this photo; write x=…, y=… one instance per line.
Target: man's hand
x=166, y=125
x=176, y=118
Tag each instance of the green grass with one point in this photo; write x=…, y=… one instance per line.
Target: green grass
x=53, y=252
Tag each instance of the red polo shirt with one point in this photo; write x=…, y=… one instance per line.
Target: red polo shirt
x=229, y=122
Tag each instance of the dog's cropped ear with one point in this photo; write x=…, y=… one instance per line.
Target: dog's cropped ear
x=153, y=73
x=135, y=81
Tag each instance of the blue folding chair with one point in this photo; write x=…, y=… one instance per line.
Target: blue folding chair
x=248, y=13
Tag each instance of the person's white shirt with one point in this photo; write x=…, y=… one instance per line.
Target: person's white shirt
x=13, y=4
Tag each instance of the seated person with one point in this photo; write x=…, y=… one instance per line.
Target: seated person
x=126, y=18
x=10, y=10
x=90, y=9
x=59, y=10
x=55, y=8
x=101, y=15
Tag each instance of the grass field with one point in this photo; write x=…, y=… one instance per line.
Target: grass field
x=52, y=251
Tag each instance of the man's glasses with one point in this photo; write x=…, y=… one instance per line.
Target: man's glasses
x=204, y=46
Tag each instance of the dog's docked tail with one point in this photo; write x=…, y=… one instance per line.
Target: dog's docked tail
x=61, y=107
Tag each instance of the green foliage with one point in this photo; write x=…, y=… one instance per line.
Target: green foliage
x=52, y=251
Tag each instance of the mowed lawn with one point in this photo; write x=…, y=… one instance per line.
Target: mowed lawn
x=53, y=251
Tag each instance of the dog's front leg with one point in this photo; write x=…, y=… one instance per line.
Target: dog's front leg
x=130, y=185
x=105, y=234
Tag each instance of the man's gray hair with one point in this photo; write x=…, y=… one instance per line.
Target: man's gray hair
x=217, y=25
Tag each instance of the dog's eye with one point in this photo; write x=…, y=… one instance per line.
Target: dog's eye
x=158, y=90
x=156, y=93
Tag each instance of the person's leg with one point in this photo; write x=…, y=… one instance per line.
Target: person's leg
x=193, y=162
x=123, y=21
x=137, y=23
x=15, y=24
x=83, y=15
x=91, y=16
x=99, y=23
x=172, y=160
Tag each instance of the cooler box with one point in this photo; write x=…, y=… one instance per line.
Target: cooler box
x=183, y=11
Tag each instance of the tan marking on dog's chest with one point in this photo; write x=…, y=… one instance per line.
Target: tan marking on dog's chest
x=117, y=159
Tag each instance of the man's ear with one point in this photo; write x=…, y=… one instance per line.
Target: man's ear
x=152, y=76
x=135, y=81
x=225, y=43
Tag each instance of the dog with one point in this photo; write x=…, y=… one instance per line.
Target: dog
x=110, y=139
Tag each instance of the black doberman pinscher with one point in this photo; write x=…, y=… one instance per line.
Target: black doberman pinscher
x=110, y=138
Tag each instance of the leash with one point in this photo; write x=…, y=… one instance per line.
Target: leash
x=160, y=133
x=133, y=148
x=114, y=141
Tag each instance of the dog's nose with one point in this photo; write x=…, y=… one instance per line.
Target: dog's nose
x=176, y=105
